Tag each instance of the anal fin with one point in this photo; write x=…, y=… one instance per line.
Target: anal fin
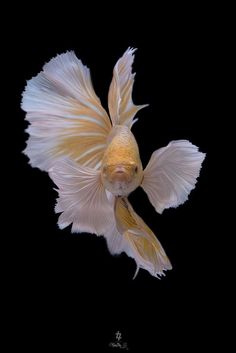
x=143, y=245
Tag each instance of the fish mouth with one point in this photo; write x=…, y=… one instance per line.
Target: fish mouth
x=120, y=169
x=121, y=174
x=121, y=177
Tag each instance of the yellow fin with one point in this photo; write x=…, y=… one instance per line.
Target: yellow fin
x=143, y=246
x=121, y=107
x=66, y=117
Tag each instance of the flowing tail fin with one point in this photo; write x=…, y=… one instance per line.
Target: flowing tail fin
x=120, y=103
x=140, y=242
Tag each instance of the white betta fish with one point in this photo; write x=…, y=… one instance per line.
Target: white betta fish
x=94, y=159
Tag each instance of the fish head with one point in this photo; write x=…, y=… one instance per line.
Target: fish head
x=123, y=178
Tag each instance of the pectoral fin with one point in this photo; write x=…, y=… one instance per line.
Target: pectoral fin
x=171, y=174
x=141, y=244
x=82, y=198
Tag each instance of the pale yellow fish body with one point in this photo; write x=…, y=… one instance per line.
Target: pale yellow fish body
x=94, y=160
x=122, y=170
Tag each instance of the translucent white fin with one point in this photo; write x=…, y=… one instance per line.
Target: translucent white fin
x=172, y=173
x=82, y=198
x=66, y=117
x=121, y=107
x=141, y=244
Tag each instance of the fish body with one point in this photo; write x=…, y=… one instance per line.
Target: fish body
x=94, y=160
x=122, y=169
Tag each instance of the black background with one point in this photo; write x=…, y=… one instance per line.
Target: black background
x=66, y=290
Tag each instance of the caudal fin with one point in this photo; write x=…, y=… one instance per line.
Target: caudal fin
x=65, y=115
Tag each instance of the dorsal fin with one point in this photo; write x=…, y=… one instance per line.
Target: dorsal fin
x=121, y=107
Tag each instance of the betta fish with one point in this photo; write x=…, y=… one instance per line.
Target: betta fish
x=93, y=157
